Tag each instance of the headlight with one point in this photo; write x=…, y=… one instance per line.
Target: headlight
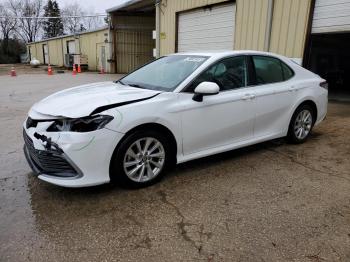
x=84, y=124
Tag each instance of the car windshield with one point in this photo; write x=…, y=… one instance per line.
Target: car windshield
x=164, y=74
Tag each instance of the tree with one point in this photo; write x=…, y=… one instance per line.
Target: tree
x=7, y=26
x=27, y=12
x=15, y=48
x=76, y=19
x=92, y=22
x=52, y=26
x=72, y=20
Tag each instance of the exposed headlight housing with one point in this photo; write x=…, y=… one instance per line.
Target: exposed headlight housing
x=84, y=124
x=324, y=85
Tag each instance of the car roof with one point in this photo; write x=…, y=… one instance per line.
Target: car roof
x=223, y=53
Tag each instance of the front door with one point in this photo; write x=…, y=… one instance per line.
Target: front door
x=222, y=119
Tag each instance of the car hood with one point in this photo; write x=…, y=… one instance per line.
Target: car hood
x=83, y=100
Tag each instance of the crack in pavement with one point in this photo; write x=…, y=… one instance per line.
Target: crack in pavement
x=182, y=226
x=293, y=160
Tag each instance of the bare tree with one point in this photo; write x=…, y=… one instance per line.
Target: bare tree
x=72, y=24
x=27, y=12
x=7, y=25
x=77, y=19
x=92, y=22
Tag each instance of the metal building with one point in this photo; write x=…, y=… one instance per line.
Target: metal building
x=185, y=25
x=132, y=27
x=327, y=49
x=316, y=33
x=91, y=46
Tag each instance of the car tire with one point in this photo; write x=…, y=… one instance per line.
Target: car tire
x=132, y=154
x=301, y=124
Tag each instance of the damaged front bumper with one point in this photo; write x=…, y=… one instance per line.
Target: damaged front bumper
x=70, y=159
x=50, y=161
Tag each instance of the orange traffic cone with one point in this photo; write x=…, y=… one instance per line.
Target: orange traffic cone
x=49, y=70
x=102, y=71
x=79, y=68
x=13, y=71
x=74, y=71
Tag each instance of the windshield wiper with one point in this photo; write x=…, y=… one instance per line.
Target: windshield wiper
x=132, y=85
x=136, y=85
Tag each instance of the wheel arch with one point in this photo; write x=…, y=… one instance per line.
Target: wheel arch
x=312, y=104
x=150, y=126
x=304, y=102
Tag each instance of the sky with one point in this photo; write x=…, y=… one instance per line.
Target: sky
x=99, y=6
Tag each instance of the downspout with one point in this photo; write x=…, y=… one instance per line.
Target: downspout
x=157, y=4
x=268, y=31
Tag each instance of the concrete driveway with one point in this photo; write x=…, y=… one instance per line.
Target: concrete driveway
x=269, y=202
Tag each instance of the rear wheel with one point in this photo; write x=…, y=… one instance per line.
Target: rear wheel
x=301, y=124
x=141, y=159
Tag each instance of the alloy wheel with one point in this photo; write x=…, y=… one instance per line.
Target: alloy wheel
x=303, y=124
x=144, y=159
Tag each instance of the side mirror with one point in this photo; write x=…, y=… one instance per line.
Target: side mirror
x=205, y=89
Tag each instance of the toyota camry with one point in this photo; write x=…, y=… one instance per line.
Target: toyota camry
x=175, y=109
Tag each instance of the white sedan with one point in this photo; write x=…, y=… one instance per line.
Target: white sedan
x=175, y=109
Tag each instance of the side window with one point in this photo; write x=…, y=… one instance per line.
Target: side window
x=267, y=70
x=230, y=73
x=287, y=72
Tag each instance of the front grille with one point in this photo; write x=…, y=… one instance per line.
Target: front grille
x=48, y=162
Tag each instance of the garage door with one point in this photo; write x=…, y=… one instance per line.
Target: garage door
x=331, y=16
x=207, y=29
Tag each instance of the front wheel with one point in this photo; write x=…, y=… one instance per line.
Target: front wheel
x=141, y=159
x=301, y=124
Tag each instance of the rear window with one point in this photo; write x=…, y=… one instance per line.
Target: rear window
x=287, y=72
x=271, y=70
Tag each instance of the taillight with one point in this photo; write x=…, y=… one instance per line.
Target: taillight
x=324, y=85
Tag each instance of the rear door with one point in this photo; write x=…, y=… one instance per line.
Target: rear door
x=275, y=93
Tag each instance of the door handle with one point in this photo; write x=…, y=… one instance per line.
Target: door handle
x=248, y=96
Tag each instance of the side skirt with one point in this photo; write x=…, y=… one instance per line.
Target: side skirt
x=228, y=147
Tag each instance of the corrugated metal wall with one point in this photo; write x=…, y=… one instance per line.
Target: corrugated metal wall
x=89, y=45
x=289, y=26
x=133, y=41
x=290, y=18
x=134, y=49
x=168, y=20
x=251, y=22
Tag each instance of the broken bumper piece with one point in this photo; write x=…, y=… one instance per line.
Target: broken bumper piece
x=50, y=161
x=70, y=159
